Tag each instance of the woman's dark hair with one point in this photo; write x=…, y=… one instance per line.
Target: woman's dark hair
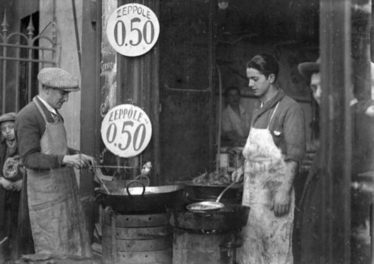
x=265, y=64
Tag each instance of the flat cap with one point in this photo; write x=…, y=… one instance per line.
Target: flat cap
x=11, y=116
x=309, y=67
x=58, y=78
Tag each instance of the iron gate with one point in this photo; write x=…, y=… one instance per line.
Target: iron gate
x=22, y=54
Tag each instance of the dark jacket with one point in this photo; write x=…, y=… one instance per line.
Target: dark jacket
x=30, y=127
x=9, y=206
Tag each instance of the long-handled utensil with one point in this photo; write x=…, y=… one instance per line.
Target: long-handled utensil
x=98, y=175
x=209, y=205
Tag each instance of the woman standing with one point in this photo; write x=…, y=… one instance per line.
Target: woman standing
x=274, y=148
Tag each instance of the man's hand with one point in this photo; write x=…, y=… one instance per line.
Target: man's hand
x=237, y=175
x=282, y=197
x=79, y=161
x=370, y=111
x=17, y=186
x=281, y=201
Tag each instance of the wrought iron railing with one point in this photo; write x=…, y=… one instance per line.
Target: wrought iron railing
x=21, y=56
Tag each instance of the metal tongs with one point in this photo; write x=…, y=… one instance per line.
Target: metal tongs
x=100, y=176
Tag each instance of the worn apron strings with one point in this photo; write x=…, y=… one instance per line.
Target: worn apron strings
x=40, y=110
x=272, y=115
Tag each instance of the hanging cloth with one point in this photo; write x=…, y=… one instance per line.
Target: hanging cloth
x=267, y=239
x=56, y=215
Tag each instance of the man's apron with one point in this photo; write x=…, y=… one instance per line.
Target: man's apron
x=267, y=239
x=57, y=219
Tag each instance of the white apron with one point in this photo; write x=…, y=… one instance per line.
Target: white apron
x=267, y=239
x=56, y=215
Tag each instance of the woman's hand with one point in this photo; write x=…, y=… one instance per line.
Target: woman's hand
x=281, y=202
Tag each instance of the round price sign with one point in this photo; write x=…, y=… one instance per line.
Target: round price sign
x=133, y=29
x=126, y=130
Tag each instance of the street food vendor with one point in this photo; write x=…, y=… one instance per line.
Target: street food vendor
x=57, y=220
x=274, y=148
x=362, y=160
x=235, y=119
x=11, y=184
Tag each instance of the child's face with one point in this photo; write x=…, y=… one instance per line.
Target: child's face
x=7, y=130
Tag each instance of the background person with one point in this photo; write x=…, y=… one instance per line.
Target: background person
x=274, y=148
x=56, y=216
x=11, y=184
x=235, y=119
x=362, y=161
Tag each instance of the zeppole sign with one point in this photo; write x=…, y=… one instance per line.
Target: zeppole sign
x=133, y=29
x=126, y=130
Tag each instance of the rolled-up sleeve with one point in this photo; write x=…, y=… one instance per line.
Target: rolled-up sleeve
x=294, y=133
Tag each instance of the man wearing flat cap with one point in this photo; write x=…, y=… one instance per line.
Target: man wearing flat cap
x=57, y=220
x=362, y=157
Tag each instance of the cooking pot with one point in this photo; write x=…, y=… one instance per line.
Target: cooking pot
x=140, y=199
x=230, y=217
x=209, y=205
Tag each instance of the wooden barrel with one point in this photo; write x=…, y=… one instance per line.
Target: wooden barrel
x=196, y=248
x=136, y=239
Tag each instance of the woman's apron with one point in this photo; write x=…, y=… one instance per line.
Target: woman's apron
x=267, y=239
x=56, y=215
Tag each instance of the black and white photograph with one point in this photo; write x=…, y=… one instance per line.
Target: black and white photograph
x=186, y=132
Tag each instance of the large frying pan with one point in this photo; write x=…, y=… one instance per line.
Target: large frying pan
x=209, y=205
x=134, y=196
x=146, y=199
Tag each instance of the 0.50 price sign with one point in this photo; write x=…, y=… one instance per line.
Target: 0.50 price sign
x=126, y=130
x=133, y=29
